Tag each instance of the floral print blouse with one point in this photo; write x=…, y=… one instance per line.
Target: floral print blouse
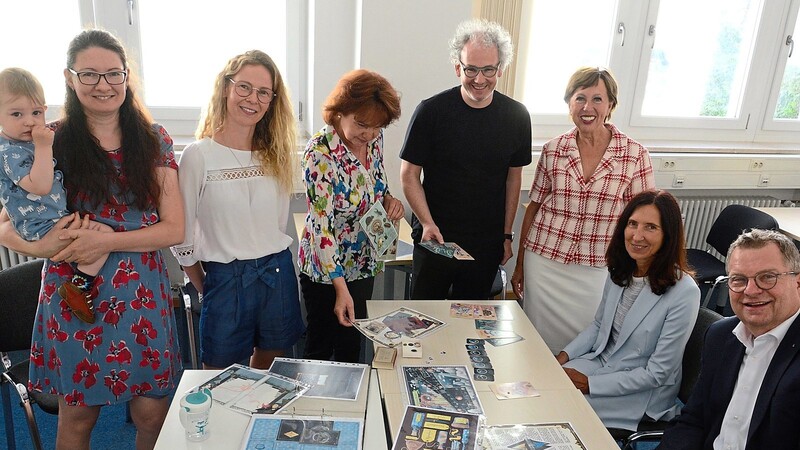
x=339, y=191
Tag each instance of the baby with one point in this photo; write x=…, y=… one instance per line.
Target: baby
x=31, y=190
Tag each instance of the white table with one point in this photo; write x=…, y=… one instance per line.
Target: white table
x=788, y=220
x=227, y=427
x=527, y=360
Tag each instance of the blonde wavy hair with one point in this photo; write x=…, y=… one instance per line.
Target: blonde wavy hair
x=274, y=139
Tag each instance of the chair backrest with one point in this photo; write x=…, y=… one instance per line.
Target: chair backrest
x=174, y=269
x=694, y=350
x=732, y=221
x=19, y=298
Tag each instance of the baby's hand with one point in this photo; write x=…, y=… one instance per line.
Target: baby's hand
x=42, y=136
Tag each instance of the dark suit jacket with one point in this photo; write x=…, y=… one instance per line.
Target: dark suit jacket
x=776, y=416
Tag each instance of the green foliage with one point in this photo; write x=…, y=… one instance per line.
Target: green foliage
x=718, y=95
x=787, y=107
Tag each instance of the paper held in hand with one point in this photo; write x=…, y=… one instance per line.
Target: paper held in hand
x=381, y=232
x=448, y=249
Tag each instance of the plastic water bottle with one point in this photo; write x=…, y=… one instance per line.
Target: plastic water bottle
x=195, y=408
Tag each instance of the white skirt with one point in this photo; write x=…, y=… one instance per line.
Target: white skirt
x=561, y=299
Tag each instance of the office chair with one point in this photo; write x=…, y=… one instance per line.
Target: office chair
x=499, y=284
x=183, y=290
x=731, y=222
x=19, y=298
x=650, y=431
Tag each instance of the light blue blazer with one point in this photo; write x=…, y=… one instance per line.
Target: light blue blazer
x=643, y=374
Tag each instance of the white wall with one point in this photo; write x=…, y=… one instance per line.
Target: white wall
x=405, y=41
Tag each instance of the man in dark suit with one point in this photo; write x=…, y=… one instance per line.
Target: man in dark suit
x=748, y=393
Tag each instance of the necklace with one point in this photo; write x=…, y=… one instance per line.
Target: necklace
x=249, y=161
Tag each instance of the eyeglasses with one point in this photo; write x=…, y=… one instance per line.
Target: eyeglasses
x=765, y=281
x=472, y=71
x=244, y=89
x=115, y=77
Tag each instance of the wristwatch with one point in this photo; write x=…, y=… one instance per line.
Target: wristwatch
x=509, y=236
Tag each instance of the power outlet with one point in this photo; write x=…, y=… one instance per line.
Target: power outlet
x=763, y=181
x=668, y=164
x=756, y=164
x=677, y=182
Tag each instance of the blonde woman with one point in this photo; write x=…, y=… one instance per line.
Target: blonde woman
x=236, y=181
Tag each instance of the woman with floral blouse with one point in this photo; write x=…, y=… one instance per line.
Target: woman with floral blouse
x=344, y=176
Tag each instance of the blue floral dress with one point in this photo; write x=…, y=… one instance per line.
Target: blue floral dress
x=131, y=348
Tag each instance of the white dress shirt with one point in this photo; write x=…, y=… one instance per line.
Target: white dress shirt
x=757, y=357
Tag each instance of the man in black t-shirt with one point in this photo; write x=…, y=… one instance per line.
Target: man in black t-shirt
x=471, y=143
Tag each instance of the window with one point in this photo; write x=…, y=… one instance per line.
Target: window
x=785, y=100
x=176, y=47
x=544, y=86
x=705, y=61
x=40, y=48
x=177, y=74
x=714, y=70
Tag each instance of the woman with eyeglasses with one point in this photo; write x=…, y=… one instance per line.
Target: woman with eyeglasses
x=236, y=181
x=627, y=362
x=583, y=180
x=344, y=176
x=119, y=169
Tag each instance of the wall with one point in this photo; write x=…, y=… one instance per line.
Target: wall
x=404, y=41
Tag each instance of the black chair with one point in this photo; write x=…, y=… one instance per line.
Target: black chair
x=499, y=284
x=19, y=295
x=651, y=431
x=730, y=223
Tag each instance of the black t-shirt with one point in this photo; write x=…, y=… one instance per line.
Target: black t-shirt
x=465, y=154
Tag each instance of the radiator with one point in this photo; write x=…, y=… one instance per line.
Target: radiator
x=10, y=258
x=699, y=214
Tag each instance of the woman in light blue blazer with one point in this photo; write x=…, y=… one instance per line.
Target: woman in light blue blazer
x=628, y=361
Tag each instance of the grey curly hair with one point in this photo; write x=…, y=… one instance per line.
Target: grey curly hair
x=485, y=33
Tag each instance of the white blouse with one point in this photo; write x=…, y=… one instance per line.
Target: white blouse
x=232, y=210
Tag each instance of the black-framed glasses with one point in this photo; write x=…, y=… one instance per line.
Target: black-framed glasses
x=765, y=281
x=114, y=77
x=472, y=71
x=244, y=89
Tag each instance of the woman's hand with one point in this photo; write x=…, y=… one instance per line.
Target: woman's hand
x=518, y=279
x=45, y=247
x=344, y=309
x=394, y=208
x=580, y=380
x=85, y=245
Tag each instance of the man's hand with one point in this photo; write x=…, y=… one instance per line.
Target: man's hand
x=431, y=232
x=508, y=251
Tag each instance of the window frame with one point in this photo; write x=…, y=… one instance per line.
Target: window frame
x=182, y=121
x=754, y=130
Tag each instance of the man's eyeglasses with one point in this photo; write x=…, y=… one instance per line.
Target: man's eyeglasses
x=472, y=71
x=244, y=89
x=115, y=77
x=765, y=281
